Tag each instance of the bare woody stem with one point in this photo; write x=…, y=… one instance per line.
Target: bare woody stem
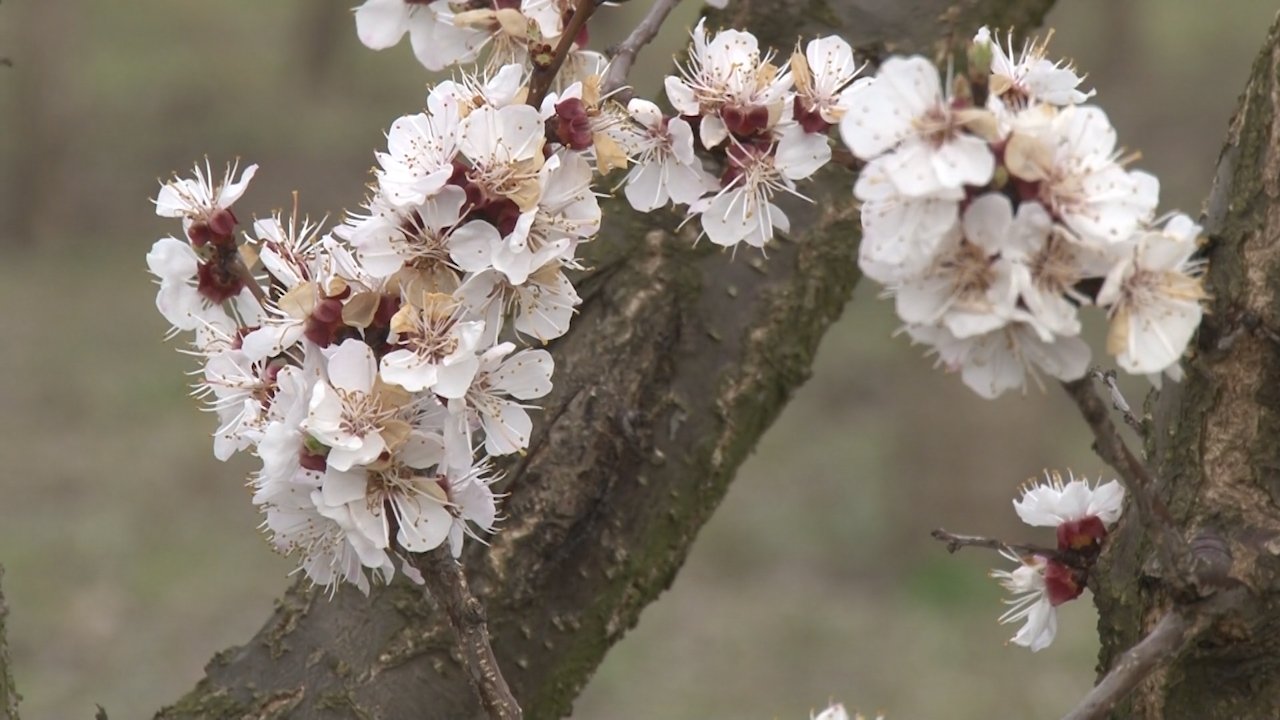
x=9, y=696
x=1174, y=632
x=243, y=272
x=1110, y=446
x=447, y=583
x=624, y=55
x=954, y=542
x=544, y=75
x=1118, y=400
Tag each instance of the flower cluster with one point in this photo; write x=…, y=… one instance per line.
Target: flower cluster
x=765, y=125
x=994, y=212
x=445, y=33
x=1081, y=514
x=375, y=370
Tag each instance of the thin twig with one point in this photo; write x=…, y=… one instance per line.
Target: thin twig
x=544, y=75
x=955, y=542
x=448, y=585
x=624, y=55
x=1118, y=401
x=1174, y=632
x=9, y=696
x=1174, y=554
x=243, y=272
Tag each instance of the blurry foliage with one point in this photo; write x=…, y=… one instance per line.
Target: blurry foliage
x=132, y=552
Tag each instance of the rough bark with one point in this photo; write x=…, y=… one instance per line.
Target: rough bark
x=1214, y=446
x=679, y=360
x=9, y=696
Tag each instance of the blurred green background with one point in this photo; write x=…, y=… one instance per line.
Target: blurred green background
x=133, y=556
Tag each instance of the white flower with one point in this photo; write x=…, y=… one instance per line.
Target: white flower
x=1154, y=298
x=389, y=238
x=970, y=289
x=1029, y=77
x=420, y=152
x=566, y=213
x=728, y=83
x=1030, y=603
x=239, y=390
x=543, y=305
x=281, y=445
x=436, y=41
x=504, y=146
x=198, y=200
x=904, y=110
x=743, y=210
x=1068, y=156
x=192, y=293
x=289, y=252
x=666, y=167
x=835, y=712
x=346, y=413
x=999, y=360
x=901, y=233
x=488, y=403
x=1052, y=264
x=1052, y=503
x=439, y=348
x=822, y=75
x=471, y=502
x=331, y=554
x=403, y=487
x=467, y=92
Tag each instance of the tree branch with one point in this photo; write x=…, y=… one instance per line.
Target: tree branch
x=1118, y=401
x=9, y=696
x=1173, y=633
x=678, y=361
x=1213, y=442
x=954, y=542
x=1110, y=446
x=543, y=75
x=624, y=55
x=447, y=583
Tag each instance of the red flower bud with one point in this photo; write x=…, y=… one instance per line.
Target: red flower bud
x=1062, y=583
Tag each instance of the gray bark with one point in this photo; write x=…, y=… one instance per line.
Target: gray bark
x=679, y=360
x=1214, y=446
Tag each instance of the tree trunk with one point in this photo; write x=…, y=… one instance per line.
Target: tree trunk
x=1214, y=446
x=678, y=361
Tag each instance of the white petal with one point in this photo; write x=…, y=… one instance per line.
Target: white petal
x=987, y=222
x=471, y=246
x=381, y=23
x=645, y=189
x=352, y=367
x=455, y=379
x=712, y=131
x=799, y=154
x=645, y=113
x=964, y=160
x=342, y=487
x=525, y=375
x=172, y=259
x=424, y=523
x=681, y=96
x=509, y=432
